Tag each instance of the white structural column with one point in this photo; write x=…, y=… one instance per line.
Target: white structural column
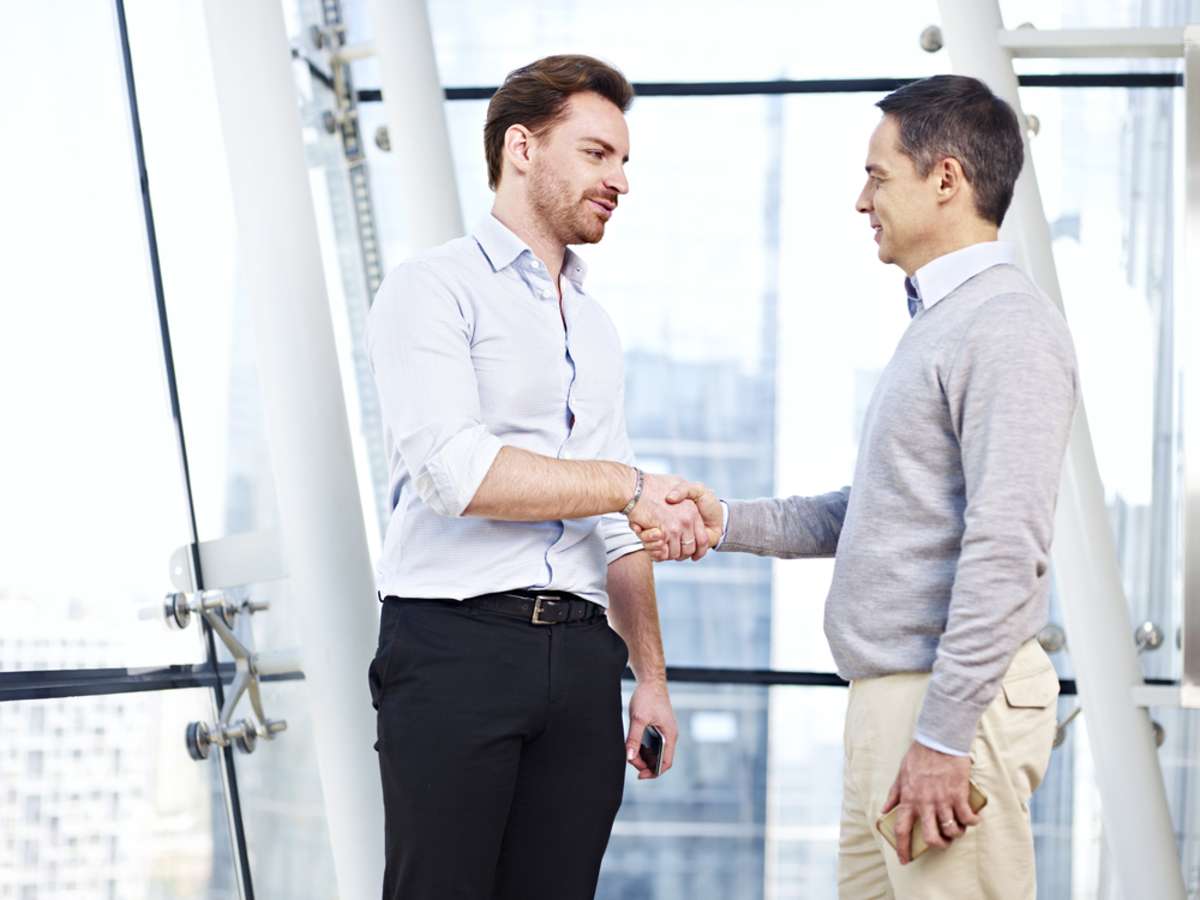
x=414, y=100
x=1137, y=821
x=1187, y=342
x=331, y=592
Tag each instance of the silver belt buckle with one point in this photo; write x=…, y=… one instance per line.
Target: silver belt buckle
x=537, y=609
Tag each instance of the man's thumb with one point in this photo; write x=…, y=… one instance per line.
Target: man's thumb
x=634, y=743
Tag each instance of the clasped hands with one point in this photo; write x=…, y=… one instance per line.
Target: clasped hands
x=675, y=518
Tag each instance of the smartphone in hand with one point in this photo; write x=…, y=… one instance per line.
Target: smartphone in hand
x=887, y=824
x=651, y=750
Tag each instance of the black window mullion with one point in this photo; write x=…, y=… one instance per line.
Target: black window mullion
x=817, y=86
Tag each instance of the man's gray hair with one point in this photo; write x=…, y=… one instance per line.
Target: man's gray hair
x=955, y=116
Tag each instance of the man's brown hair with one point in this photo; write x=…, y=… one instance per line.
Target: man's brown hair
x=536, y=96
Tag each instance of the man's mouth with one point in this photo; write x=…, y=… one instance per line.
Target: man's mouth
x=878, y=232
x=603, y=207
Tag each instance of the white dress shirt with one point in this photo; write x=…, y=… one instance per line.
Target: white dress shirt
x=470, y=353
x=938, y=277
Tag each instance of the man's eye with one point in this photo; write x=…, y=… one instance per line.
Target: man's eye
x=596, y=154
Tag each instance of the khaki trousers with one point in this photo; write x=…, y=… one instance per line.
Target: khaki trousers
x=994, y=859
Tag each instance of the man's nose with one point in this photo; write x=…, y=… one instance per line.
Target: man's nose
x=863, y=203
x=618, y=182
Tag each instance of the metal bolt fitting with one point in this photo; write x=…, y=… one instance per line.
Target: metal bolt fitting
x=932, y=40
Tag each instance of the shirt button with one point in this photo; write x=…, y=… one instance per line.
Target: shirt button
x=537, y=264
x=546, y=293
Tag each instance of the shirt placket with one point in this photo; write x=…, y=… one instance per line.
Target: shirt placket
x=539, y=282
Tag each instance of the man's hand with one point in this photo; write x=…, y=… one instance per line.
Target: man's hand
x=650, y=705
x=931, y=789
x=678, y=522
x=654, y=539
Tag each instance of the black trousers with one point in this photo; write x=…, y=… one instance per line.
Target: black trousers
x=501, y=750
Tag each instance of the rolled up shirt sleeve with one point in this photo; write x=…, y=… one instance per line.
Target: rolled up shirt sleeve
x=419, y=346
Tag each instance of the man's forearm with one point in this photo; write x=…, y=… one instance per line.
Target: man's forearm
x=787, y=528
x=633, y=612
x=527, y=487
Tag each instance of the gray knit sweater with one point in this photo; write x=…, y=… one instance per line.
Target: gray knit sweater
x=943, y=547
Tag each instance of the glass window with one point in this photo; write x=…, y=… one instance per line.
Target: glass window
x=168, y=836
x=193, y=211
x=213, y=338
x=282, y=806
x=93, y=499
x=751, y=807
x=1106, y=165
x=1053, y=14
x=478, y=42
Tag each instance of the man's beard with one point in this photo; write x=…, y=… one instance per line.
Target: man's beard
x=569, y=219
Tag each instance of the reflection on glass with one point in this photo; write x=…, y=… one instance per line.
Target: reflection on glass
x=93, y=502
x=282, y=807
x=1106, y=167
x=99, y=799
x=279, y=787
x=1073, y=858
x=1181, y=731
x=742, y=812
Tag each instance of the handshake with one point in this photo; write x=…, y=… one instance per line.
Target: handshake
x=676, y=519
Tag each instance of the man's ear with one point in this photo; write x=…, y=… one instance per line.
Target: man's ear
x=950, y=179
x=518, y=142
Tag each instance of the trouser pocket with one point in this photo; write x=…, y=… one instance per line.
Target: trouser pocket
x=1028, y=719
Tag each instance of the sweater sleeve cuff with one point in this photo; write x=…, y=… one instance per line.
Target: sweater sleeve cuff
x=724, y=524
x=948, y=722
x=736, y=532
x=934, y=745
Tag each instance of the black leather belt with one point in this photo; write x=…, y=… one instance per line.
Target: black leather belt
x=538, y=607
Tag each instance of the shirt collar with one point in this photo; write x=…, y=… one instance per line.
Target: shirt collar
x=939, y=277
x=503, y=248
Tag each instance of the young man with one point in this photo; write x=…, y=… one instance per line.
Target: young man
x=498, y=678
x=943, y=546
